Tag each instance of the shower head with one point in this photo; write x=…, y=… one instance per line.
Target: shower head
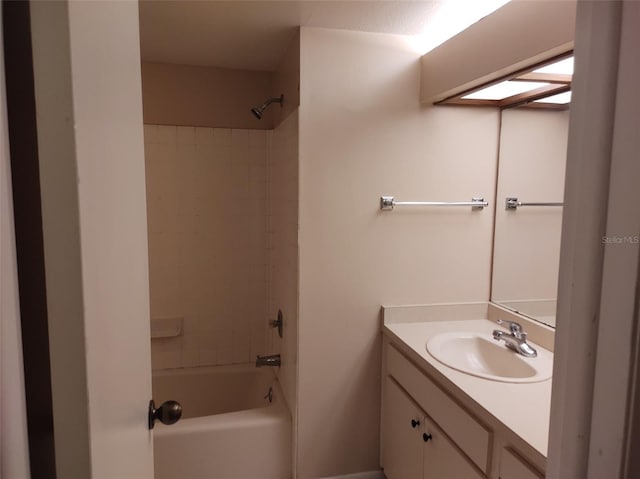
x=258, y=110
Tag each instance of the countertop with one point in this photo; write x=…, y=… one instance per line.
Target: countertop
x=522, y=409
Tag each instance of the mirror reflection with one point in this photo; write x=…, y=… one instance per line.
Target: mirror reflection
x=528, y=223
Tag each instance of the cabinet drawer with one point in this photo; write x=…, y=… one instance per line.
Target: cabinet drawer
x=462, y=428
x=512, y=467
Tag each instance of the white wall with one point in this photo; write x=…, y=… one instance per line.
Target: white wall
x=363, y=134
x=282, y=243
x=205, y=96
x=14, y=455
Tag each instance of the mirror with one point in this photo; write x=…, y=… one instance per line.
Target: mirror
x=531, y=168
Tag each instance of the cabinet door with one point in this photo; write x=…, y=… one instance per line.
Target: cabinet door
x=512, y=467
x=402, y=443
x=442, y=460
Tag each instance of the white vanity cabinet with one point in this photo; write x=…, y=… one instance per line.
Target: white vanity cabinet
x=403, y=421
x=426, y=434
x=513, y=467
x=416, y=447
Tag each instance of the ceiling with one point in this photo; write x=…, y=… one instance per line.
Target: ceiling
x=253, y=35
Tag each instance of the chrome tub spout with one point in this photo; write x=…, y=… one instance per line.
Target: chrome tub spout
x=273, y=360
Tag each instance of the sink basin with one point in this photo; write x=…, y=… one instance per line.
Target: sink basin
x=480, y=355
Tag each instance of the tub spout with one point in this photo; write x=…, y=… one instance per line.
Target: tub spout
x=273, y=360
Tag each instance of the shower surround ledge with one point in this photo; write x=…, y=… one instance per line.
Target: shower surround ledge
x=514, y=415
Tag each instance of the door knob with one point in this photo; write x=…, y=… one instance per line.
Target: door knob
x=168, y=413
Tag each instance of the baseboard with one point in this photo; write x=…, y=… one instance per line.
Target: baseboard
x=360, y=475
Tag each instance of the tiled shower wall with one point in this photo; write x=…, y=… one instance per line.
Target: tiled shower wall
x=207, y=223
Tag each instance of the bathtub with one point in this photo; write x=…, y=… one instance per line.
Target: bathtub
x=228, y=430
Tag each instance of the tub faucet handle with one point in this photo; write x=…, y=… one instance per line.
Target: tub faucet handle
x=277, y=323
x=269, y=395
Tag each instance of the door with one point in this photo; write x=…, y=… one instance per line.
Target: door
x=512, y=467
x=87, y=88
x=442, y=459
x=402, y=445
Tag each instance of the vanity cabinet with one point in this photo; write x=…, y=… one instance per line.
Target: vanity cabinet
x=418, y=449
x=403, y=421
x=513, y=467
x=427, y=435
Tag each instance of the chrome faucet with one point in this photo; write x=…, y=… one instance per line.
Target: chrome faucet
x=273, y=360
x=516, y=339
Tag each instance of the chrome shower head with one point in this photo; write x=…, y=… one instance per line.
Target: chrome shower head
x=258, y=110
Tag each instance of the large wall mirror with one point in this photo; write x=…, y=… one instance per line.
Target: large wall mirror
x=531, y=168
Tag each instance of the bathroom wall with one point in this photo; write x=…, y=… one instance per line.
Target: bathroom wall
x=222, y=212
x=364, y=134
x=286, y=81
x=282, y=246
x=204, y=96
x=207, y=222
x=533, y=152
x=282, y=226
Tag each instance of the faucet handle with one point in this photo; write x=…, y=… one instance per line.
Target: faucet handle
x=514, y=328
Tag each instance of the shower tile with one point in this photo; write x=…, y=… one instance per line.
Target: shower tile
x=241, y=155
x=258, y=140
x=151, y=133
x=225, y=355
x=186, y=135
x=240, y=138
x=204, y=137
x=208, y=357
x=167, y=134
x=166, y=353
x=242, y=349
x=191, y=358
x=222, y=137
x=208, y=193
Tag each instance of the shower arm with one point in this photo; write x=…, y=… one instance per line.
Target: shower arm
x=258, y=111
x=279, y=99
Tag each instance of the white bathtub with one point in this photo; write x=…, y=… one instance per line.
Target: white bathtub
x=228, y=430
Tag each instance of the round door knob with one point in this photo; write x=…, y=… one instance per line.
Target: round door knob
x=414, y=423
x=168, y=413
x=426, y=437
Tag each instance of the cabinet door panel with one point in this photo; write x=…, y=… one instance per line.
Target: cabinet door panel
x=472, y=437
x=442, y=460
x=512, y=467
x=402, y=442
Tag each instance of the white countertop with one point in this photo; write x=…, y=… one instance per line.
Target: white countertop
x=522, y=408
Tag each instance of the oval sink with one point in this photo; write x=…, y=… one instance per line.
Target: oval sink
x=480, y=355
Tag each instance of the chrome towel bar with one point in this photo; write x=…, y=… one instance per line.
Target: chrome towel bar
x=388, y=203
x=513, y=204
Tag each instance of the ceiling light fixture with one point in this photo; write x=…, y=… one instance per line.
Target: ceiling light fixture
x=559, y=99
x=543, y=85
x=505, y=89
